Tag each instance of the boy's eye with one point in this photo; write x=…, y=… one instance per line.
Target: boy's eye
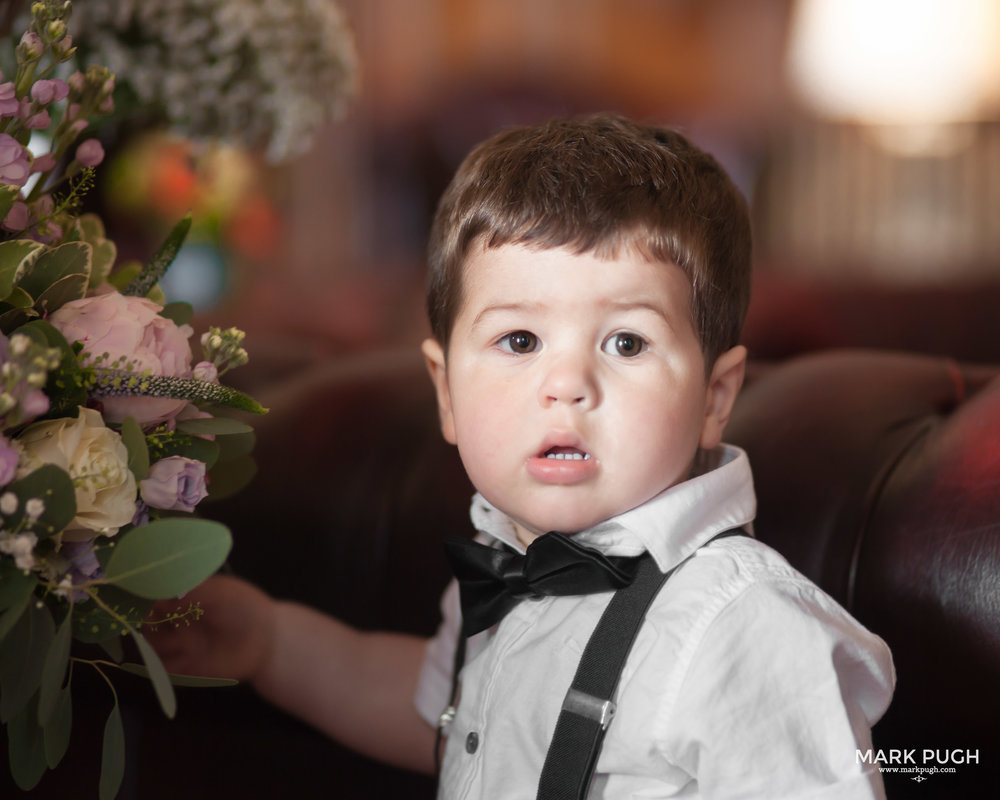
x=624, y=344
x=519, y=342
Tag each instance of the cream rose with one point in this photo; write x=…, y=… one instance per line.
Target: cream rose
x=96, y=459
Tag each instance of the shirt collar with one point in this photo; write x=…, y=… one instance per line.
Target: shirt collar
x=672, y=525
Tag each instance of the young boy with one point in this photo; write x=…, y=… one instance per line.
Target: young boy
x=588, y=284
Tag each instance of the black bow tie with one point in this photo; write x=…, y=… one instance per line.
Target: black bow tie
x=492, y=581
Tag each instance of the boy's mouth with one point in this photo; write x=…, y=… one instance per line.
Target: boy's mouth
x=566, y=454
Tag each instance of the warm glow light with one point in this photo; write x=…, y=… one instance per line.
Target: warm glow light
x=897, y=62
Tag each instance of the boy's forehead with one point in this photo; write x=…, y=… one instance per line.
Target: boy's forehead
x=482, y=258
x=520, y=275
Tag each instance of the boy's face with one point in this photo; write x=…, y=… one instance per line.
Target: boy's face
x=575, y=387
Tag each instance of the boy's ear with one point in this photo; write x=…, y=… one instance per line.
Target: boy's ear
x=434, y=358
x=723, y=385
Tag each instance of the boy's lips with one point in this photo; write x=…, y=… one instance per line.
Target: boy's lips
x=562, y=460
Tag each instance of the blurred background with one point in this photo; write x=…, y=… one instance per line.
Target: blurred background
x=865, y=134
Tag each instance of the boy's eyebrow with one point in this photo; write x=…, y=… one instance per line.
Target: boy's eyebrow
x=498, y=307
x=526, y=306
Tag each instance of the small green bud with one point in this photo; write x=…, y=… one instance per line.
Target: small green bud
x=55, y=30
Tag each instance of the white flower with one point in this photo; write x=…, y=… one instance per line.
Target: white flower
x=34, y=508
x=21, y=547
x=8, y=503
x=96, y=459
x=240, y=70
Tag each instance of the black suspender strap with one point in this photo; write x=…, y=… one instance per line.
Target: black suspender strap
x=588, y=708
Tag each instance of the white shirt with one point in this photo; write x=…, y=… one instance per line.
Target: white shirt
x=746, y=680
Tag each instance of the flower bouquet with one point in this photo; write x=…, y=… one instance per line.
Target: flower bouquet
x=111, y=434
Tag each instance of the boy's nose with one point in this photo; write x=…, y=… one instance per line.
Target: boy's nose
x=570, y=381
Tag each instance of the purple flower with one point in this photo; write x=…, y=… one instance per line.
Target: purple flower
x=34, y=404
x=90, y=153
x=48, y=91
x=9, y=104
x=39, y=121
x=14, y=164
x=16, y=219
x=8, y=461
x=83, y=566
x=175, y=483
x=44, y=163
x=31, y=47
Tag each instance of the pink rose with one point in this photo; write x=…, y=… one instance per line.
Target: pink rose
x=131, y=332
x=175, y=483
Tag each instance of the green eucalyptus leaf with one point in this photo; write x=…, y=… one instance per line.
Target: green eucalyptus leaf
x=92, y=624
x=138, y=451
x=230, y=477
x=54, y=670
x=22, y=655
x=161, y=260
x=197, y=681
x=16, y=256
x=157, y=674
x=236, y=445
x=179, y=313
x=26, y=747
x=181, y=444
x=168, y=557
x=59, y=727
x=113, y=647
x=218, y=426
x=9, y=620
x=112, y=755
x=54, y=487
x=15, y=584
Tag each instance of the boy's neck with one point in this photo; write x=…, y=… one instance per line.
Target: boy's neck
x=524, y=536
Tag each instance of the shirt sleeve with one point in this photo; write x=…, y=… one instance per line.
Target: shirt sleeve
x=434, y=683
x=779, y=698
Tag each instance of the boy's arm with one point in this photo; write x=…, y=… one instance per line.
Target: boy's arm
x=356, y=687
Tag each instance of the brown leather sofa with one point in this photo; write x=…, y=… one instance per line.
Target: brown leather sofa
x=878, y=475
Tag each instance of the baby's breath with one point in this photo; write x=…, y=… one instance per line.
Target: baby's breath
x=241, y=70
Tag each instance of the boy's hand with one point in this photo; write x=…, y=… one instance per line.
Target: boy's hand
x=233, y=638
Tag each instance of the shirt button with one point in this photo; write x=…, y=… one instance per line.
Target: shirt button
x=472, y=742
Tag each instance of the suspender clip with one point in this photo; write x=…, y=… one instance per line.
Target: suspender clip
x=592, y=708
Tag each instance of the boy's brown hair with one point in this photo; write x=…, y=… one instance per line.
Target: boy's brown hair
x=600, y=184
